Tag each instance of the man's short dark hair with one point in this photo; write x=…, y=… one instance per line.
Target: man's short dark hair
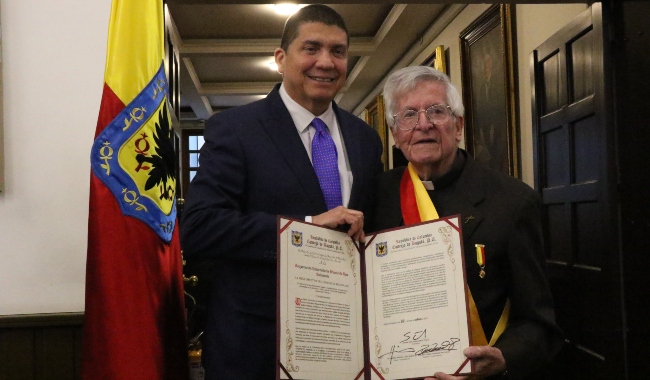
x=310, y=13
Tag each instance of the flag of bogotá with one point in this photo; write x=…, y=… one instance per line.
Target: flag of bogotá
x=134, y=320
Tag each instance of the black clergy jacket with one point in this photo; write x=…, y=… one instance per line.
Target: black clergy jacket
x=502, y=213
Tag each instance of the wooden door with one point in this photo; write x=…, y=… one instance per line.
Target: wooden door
x=573, y=149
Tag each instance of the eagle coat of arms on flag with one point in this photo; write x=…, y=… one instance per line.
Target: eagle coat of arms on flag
x=134, y=157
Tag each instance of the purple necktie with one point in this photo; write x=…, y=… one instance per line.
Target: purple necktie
x=325, y=161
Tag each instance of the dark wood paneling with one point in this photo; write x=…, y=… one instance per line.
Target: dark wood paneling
x=571, y=175
x=581, y=60
x=17, y=354
x=631, y=52
x=40, y=346
x=551, y=88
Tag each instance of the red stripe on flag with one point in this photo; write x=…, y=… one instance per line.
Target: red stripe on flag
x=109, y=108
x=134, y=322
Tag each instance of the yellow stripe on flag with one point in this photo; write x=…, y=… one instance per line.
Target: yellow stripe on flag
x=133, y=57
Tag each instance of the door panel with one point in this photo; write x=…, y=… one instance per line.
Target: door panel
x=581, y=62
x=571, y=174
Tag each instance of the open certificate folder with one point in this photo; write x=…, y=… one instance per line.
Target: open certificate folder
x=393, y=308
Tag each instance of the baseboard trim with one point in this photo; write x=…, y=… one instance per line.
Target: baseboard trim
x=41, y=320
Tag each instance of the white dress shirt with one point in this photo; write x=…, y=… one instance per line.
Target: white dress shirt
x=302, y=119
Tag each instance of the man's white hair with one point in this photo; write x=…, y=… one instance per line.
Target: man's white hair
x=406, y=79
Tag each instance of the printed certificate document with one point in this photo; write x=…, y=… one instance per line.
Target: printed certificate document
x=393, y=308
x=417, y=309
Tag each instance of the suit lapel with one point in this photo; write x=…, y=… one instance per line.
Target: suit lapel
x=470, y=187
x=391, y=213
x=279, y=126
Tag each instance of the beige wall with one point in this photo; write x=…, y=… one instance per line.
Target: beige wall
x=535, y=24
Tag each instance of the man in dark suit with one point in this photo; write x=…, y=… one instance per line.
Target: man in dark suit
x=256, y=164
x=515, y=330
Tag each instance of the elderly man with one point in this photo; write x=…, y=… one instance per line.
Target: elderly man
x=293, y=153
x=513, y=322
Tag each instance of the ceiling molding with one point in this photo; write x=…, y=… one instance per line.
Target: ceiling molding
x=394, y=14
x=427, y=38
x=361, y=64
x=237, y=88
x=190, y=69
x=359, y=46
x=173, y=32
x=190, y=92
x=207, y=106
x=228, y=46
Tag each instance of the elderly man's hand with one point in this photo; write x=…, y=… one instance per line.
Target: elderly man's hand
x=341, y=215
x=487, y=361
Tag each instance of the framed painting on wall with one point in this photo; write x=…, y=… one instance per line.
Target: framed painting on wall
x=490, y=89
x=376, y=118
x=438, y=60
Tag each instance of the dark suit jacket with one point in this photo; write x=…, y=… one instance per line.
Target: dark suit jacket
x=502, y=213
x=254, y=167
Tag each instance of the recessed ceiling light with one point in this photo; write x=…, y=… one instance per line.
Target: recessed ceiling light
x=287, y=9
x=273, y=66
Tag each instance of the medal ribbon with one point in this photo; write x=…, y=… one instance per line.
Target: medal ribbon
x=480, y=255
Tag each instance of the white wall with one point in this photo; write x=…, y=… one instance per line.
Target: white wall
x=53, y=72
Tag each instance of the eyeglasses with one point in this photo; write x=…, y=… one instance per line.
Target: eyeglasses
x=407, y=120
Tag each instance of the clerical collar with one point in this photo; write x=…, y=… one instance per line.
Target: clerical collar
x=449, y=177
